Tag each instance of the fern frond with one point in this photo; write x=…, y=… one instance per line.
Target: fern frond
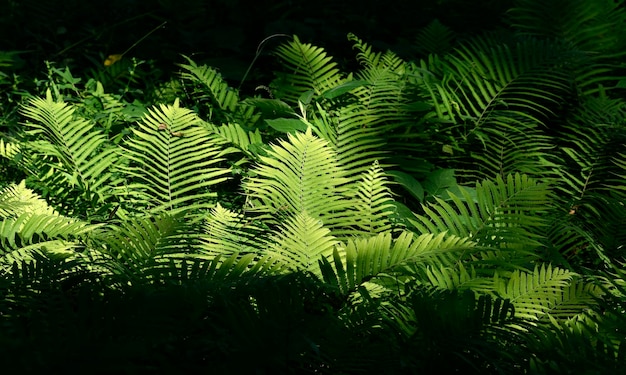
x=309, y=69
x=374, y=205
x=174, y=162
x=28, y=223
x=383, y=257
x=246, y=141
x=589, y=25
x=225, y=233
x=222, y=101
x=435, y=38
x=300, y=243
x=77, y=153
x=137, y=245
x=535, y=293
x=299, y=175
x=504, y=213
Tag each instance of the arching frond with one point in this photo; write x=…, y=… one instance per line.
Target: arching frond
x=76, y=155
x=384, y=257
x=28, y=223
x=209, y=88
x=504, y=213
x=535, y=293
x=309, y=68
x=174, y=162
x=247, y=141
x=299, y=175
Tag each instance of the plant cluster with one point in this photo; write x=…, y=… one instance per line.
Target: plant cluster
x=457, y=212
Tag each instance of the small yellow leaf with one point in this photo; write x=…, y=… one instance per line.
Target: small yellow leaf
x=112, y=59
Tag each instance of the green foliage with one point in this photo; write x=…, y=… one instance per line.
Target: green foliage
x=212, y=227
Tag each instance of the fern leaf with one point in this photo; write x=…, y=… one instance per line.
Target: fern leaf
x=300, y=243
x=299, y=175
x=534, y=294
x=174, y=162
x=72, y=148
x=505, y=213
x=374, y=205
x=222, y=101
x=310, y=69
x=381, y=256
x=226, y=233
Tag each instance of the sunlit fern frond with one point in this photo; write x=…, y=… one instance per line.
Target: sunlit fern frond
x=504, y=213
x=370, y=59
x=300, y=242
x=374, y=206
x=28, y=223
x=173, y=162
x=249, y=142
x=299, y=175
x=221, y=271
x=534, y=294
x=8, y=149
x=137, y=245
x=77, y=156
x=382, y=259
x=226, y=232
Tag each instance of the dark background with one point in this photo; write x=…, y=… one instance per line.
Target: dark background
x=222, y=33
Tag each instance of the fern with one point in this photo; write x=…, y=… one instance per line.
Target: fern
x=299, y=175
x=435, y=38
x=28, y=224
x=227, y=233
x=300, y=243
x=174, y=162
x=309, y=70
x=505, y=214
x=222, y=101
x=382, y=257
x=374, y=205
x=73, y=152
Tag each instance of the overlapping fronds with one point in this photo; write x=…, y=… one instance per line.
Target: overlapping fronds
x=489, y=81
x=505, y=213
x=28, y=223
x=493, y=96
x=226, y=232
x=76, y=155
x=174, y=162
x=139, y=244
x=222, y=101
x=589, y=25
x=385, y=258
x=246, y=141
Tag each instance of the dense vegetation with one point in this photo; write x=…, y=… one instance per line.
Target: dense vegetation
x=456, y=205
